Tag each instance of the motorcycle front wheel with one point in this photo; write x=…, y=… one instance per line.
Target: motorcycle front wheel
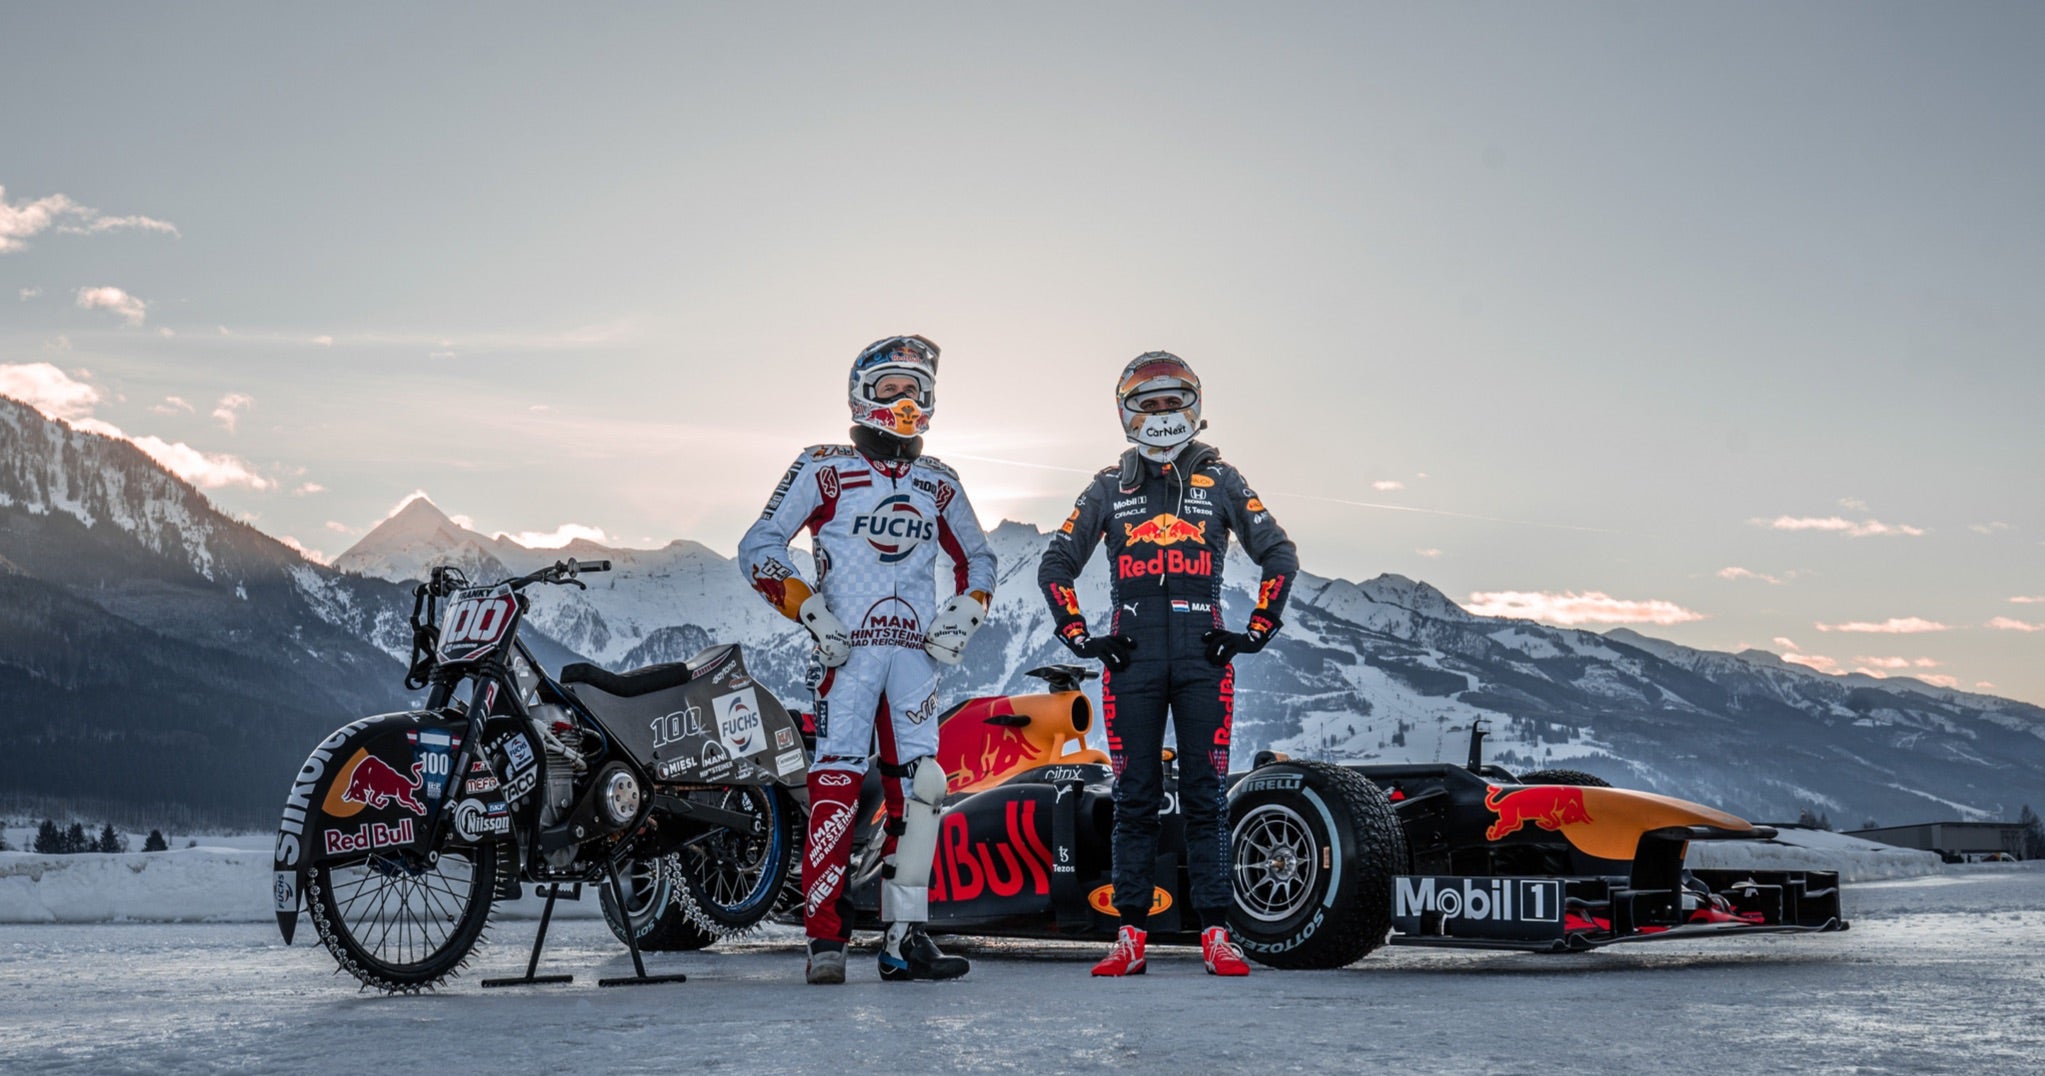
x=403, y=921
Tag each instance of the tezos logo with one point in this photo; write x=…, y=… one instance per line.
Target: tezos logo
x=894, y=528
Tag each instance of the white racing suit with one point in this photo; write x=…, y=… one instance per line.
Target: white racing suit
x=877, y=528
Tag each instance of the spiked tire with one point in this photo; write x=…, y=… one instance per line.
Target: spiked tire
x=400, y=924
x=721, y=886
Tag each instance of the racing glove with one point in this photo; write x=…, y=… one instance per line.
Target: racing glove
x=1224, y=645
x=1112, y=650
x=834, y=643
x=953, y=625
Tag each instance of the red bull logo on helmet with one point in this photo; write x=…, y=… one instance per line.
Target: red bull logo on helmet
x=1165, y=529
x=1551, y=807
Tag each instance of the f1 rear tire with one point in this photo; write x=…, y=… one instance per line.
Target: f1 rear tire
x=1314, y=850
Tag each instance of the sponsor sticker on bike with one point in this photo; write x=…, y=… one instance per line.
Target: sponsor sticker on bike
x=739, y=726
x=788, y=762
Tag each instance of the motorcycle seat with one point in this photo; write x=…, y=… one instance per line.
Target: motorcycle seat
x=627, y=685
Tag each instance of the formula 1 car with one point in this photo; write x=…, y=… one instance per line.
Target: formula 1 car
x=1328, y=860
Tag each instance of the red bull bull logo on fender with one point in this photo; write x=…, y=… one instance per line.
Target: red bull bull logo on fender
x=374, y=782
x=1550, y=807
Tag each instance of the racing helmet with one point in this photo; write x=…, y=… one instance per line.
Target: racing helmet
x=888, y=360
x=1171, y=390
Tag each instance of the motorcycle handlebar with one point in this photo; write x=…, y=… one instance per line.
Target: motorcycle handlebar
x=592, y=565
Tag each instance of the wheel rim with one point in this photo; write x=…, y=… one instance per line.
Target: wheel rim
x=730, y=869
x=401, y=910
x=642, y=882
x=1275, y=864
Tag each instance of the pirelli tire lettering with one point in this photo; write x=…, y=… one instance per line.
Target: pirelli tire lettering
x=1315, y=849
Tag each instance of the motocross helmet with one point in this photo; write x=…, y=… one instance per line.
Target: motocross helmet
x=1171, y=390
x=898, y=414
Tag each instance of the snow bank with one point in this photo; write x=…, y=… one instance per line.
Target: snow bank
x=1856, y=860
x=205, y=884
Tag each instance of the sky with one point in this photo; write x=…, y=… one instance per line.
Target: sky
x=1720, y=322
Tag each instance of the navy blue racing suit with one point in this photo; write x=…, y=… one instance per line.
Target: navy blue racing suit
x=1166, y=526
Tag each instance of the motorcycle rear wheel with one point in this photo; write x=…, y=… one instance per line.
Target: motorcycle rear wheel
x=400, y=923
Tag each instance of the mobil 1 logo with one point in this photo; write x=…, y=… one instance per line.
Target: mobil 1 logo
x=1520, y=909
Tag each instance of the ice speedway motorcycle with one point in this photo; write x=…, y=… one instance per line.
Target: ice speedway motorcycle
x=683, y=783
x=1329, y=861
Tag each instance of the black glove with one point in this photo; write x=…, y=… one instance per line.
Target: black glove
x=1224, y=645
x=1111, y=650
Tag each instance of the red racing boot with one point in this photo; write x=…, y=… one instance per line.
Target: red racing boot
x=1223, y=956
x=1126, y=958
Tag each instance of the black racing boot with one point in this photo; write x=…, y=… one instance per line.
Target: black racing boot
x=908, y=953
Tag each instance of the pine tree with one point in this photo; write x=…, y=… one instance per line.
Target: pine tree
x=75, y=839
x=2034, y=833
x=48, y=840
x=110, y=841
x=155, y=843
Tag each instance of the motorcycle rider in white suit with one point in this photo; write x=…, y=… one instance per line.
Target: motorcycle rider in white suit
x=878, y=512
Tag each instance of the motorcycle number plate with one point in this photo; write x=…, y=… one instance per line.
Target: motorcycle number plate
x=476, y=621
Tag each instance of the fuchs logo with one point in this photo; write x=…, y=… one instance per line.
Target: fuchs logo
x=894, y=528
x=825, y=833
x=738, y=721
x=1499, y=900
x=889, y=622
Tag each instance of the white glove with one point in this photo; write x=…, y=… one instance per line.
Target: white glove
x=955, y=623
x=834, y=643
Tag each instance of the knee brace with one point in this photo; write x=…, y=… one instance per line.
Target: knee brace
x=905, y=877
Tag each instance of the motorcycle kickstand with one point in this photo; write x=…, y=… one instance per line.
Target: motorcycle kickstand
x=640, y=978
x=539, y=940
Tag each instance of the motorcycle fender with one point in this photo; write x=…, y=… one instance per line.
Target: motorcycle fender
x=373, y=784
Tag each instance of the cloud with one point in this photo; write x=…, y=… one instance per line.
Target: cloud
x=1988, y=528
x=21, y=221
x=342, y=528
x=1941, y=680
x=205, y=470
x=2004, y=623
x=1893, y=626
x=1853, y=504
x=1867, y=528
x=440, y=354
x=61, y=343
x=171, y=405
x=1897, y=663
x=1570, y=608
x=48, y=389
x=308, y=489
x=166, y=333
x=558, y=537
x=1429, y=553
x=1387, y=485
x=2029, y=599
x=228, y=411
x=1814, y=661
x=1983, y=685
x=305, y=551
x=29, y=293
x=113, y=299
x=323, y=341
x=1735, y=573
x=1786, y=643
x=60, y=396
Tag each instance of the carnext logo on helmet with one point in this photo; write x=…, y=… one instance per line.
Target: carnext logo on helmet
x=894, y=528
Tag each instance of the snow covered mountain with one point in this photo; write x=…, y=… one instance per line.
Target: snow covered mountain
x=1388, y=669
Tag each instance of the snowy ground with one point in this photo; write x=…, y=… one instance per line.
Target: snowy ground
x=1938, y=974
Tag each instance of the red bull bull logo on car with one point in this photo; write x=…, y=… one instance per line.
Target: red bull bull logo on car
x=1165, y=529
x=1550, y=807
